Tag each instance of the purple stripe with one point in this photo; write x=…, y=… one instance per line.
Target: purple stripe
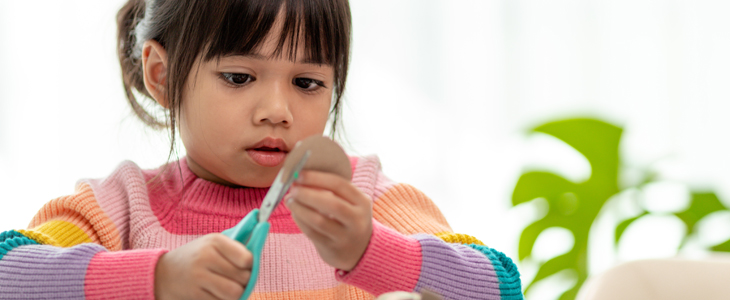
x=456, y=271
x=45, y=272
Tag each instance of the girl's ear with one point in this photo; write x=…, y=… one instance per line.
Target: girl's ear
x=154, y=69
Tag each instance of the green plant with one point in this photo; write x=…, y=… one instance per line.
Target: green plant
x=575, y=206
x=701, y=205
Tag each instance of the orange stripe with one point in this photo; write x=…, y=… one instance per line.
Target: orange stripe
x=409, y=211
x=342, y=291
x=82, y=210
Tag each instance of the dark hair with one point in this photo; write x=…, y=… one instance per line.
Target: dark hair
x=186, y=28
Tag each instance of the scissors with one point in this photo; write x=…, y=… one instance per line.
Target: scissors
x=254, y=228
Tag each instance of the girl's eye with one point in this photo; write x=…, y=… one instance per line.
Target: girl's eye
x=308, y=83
x=237, y=78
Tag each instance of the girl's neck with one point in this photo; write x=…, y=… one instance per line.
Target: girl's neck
x=202, y=173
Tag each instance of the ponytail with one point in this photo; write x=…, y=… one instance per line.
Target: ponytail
x=128, y=17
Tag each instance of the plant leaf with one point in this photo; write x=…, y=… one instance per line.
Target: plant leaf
x=550, y=267
x=529, y=236
x=597, y=140
x=623, y=225
x=573, y=206
x=701, y=205
x=538, y=184
x=724, y=247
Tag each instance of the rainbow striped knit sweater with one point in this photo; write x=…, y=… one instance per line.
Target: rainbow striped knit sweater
x=104, y=241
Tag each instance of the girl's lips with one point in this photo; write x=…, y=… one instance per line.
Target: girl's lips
x=267, y=158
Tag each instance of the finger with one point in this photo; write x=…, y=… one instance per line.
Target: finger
x=221, y=287
x=331, y=182
x=223, y=267
x=324, y=202
x=209, y=296
x=314, y=224
x=233, y=251
x=312, y=234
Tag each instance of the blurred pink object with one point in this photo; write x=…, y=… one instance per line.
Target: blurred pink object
x=425, y=295
x=399, y=296
x=662, y=279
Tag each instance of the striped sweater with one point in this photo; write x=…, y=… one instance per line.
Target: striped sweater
x=104, y=241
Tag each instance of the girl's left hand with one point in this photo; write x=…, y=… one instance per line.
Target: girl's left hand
x=334, y=214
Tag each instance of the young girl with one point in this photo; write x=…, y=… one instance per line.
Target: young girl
x=242, y=81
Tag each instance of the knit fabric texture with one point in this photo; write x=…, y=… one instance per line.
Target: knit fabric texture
x=104, y=241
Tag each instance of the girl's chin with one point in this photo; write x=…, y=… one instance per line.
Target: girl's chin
x=259, y=182
x=254, y=177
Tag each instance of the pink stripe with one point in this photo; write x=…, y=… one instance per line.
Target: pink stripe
x=382, y=185
x=155, y=236
x=295, y=251
x=353, y=162
x=115, y=194
x=284, y=224
x=126, y=188
x=287, y=259
x=122, y=275
x=392, y=262
x=369, y=179
x=205, y=207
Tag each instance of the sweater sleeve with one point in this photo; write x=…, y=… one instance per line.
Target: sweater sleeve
x=72, y=250
x=412, y=248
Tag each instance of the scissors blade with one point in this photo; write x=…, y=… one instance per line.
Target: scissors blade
x=279, y=188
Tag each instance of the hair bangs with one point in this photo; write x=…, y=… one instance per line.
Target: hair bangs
x=312, y=24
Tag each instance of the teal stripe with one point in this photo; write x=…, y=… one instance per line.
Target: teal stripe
x=510, y=287
x=12, y=239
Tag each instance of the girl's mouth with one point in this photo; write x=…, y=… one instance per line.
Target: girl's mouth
x=266, y=156
x=269, y=152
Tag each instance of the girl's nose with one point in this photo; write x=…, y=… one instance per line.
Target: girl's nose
x=273, y=107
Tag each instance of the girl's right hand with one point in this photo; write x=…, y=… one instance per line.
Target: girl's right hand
x=211, y=267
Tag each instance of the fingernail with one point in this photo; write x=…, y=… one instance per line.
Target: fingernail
x=290, y=196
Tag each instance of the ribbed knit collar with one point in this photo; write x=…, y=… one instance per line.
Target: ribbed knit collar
x=178, y=196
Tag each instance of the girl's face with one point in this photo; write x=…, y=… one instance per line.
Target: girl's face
x=241, y=114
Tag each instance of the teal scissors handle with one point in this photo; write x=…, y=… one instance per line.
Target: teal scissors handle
x=251, y=233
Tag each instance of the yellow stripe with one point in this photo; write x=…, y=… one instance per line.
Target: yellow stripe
x=39, y=237
x=458, y=238
x=57, y=233
x=81, y=210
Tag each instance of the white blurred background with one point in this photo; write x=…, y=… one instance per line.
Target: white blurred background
x=444, y=92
